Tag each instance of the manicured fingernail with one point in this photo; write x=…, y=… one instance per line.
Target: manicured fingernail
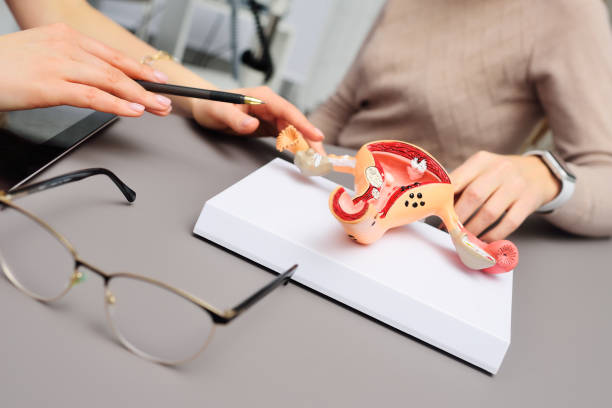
x=320, y=133
x=136, y=107
x=163, y=100
x=161, y=77
x=248, y=122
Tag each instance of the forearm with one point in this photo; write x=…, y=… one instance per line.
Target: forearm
x=92, y=26
x=589, y=211
x=82, y=17
x=571, y=67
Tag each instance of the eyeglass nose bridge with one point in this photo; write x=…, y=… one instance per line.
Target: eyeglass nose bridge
x=80, y=263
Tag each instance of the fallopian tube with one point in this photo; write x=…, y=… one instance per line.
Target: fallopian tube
x=396, y=183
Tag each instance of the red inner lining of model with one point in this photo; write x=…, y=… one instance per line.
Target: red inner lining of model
x=410, y=152
x=396, y=194
x=398, y=183
x=343, y=214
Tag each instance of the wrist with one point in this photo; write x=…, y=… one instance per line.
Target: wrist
x=562, y=173
x=549, y=185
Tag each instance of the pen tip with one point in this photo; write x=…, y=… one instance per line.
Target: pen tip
x=249, y=100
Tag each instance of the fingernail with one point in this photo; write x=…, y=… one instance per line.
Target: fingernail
x=163, y=100
x=161, y=77
x=248, y=122
x=320, y=133
x=136, y=107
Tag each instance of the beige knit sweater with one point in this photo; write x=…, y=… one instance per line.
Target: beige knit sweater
x=458, y=76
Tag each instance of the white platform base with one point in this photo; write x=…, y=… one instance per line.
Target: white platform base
x=410, y=279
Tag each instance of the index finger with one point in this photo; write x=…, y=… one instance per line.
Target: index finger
x=468, y=171
x=318, y=147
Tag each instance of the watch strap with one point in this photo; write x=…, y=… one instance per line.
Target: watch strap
x=568, y=181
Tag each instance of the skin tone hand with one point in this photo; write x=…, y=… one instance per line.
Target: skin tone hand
x=490, y=185
x=256, y=120
x=262, y=120
x=55, y=65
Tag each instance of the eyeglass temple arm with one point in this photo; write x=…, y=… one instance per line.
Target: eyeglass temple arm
x=129, y=194
x=283, y=278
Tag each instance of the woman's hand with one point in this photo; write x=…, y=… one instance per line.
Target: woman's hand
x=490, y=186
x=256, y=120
x=55, y=65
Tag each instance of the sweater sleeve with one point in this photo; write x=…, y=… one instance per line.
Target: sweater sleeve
x=336, y=111
x=571, y=67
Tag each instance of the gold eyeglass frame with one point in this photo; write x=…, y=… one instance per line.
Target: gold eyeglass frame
x=217, y=315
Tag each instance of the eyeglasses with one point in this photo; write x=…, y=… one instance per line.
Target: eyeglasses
x=150, y=318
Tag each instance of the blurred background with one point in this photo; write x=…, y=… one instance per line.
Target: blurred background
x=300, y=48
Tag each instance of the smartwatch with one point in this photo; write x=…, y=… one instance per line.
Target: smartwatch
x=560, y=170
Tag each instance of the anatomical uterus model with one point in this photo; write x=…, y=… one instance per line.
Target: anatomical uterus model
x=396, y=183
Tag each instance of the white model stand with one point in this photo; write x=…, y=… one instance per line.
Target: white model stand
x=410, y=279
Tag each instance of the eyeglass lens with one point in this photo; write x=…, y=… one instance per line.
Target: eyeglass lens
x=32, y=257
x=155, y=322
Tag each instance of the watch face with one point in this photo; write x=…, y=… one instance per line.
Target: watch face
x=562, y=165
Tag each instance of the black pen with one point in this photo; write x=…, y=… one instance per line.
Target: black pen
x=199, y=93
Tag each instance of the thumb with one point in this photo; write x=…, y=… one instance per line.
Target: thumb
x=318, y=147
x=240, y=122
x=222, y=116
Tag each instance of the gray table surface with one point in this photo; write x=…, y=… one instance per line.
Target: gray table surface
x=295, y=348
